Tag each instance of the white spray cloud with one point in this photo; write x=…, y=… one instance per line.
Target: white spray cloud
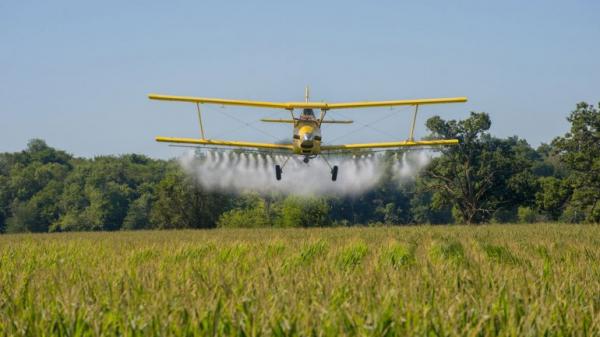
x=407, y=165
x=241, y=172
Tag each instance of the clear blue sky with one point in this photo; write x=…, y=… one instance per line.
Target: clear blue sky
x=77, y=73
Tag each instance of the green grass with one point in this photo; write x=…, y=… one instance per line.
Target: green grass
x=512, y=280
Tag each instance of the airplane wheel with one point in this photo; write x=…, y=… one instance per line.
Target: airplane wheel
x=278, y=172
x=334, y=173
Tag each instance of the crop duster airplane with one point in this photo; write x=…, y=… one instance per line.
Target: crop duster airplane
x=307, y=140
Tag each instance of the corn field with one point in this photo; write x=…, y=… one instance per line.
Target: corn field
x=509, y=280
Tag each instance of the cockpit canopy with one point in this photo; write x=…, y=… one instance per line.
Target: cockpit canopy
x=308, y=113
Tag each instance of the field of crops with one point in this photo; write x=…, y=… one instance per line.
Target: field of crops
x=507, y=280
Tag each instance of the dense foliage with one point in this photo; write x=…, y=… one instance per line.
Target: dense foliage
x=518, y=280
x=484, y=179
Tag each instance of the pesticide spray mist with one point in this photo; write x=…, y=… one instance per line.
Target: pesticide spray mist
x=242, y=172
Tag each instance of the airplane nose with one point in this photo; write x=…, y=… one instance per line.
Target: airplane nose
x=307, y=141
x=307, y=144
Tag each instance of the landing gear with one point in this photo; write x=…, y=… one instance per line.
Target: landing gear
x=279, y=169
x=334, y=169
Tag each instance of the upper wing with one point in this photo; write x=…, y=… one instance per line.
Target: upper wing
x=218, y=101
x=397, y=102
x=406, y=143
x=259, y=104
x=307, y=105
x=224, y=143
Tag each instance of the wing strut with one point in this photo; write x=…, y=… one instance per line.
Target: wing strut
x=200, y=120
x=411, y=137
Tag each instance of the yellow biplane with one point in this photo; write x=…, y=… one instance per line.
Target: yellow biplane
x=307, y=140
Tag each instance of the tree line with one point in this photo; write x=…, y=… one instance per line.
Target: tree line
x=483, y=179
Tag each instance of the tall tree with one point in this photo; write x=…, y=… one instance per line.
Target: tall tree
x=482, y=174
x=34, y=186
x=182, y=203
x=579, y=150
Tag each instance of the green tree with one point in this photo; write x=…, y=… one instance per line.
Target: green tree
x=182, y=203
x=4, y=202
x=37, y=213
x=249, y=211
x=427, y=207
x=526, y=215
x=138, y=214
x=39, y=151
x=579, y=150
x=552, y=197
x=33, y=186
x=96, y=194
x=482, y=175
x=107, y=193
x=108, y=206
x=304, y=212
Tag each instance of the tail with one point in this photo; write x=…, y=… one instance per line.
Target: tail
x=306, y=93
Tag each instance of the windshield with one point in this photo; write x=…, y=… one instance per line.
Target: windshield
x=307, y=114
x=308, y=136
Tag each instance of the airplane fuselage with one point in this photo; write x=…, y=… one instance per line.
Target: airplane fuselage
x=307, y=135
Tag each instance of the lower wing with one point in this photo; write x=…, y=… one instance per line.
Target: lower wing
x=406, y=143
x=225, y=143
